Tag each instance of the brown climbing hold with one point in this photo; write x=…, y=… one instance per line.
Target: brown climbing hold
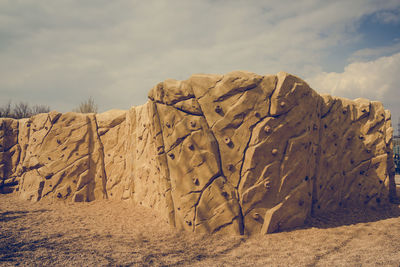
x=218, y=109
x=368, y=150
x=224, y=194
x=193, y=124
x=196, y=181
x=191, y=146
x=168, y=125
x=344, y=111
x=274, y=151
x=227, y=140
x=267, y=129
x=361, y=137
x=171, y=155
x=231, y=167
x=189, y=223
x=266, y=184
x=257, y=114
x=282, y=104
x=256, y=216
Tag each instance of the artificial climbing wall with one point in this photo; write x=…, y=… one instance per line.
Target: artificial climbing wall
x=235, y=153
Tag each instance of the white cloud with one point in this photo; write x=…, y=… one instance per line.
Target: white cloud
x=59, y=52
x=376, y=80
x=373, y=53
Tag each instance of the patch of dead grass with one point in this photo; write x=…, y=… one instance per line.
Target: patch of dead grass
x=104, y=233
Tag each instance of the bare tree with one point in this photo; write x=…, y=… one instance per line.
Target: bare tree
x=22, y=110
x=36, y=109
x=87, y=106
x=5, y=111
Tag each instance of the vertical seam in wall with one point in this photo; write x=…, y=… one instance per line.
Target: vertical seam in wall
x=169, y=192
x=104, y=179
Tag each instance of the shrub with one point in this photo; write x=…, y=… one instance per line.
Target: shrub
x=87, y=106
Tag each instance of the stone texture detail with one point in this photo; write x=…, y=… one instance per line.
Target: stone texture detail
x=236, y=153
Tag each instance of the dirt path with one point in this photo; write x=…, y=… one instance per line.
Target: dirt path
x=118, y=233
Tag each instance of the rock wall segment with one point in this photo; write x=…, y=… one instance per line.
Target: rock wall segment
x=234, y=153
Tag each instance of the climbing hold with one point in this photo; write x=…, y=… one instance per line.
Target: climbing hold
x=168, y=125
x=274, y=151
x=266, y=184
x=257, y=114
x=224, y=194
x=218, y=109
x=256, y=216
x=191, y=146
x=193, y=124
x=231, y=167
x=196, y=181
x=267, y=129
x=282, y=104
x=171, y=155
x=227, y=140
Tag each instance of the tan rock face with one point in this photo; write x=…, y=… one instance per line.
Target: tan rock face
x=234, y=153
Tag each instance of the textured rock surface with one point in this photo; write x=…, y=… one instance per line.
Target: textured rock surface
x=236, y=153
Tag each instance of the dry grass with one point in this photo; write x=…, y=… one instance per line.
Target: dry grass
x=119, y=233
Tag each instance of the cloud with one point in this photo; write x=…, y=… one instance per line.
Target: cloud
x=376, y=80
x=367, y=54
x=389, y=17
x=60, y=52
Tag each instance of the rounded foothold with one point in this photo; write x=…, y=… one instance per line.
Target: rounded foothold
x=191, y=146
x=227, y=140
x=193, y=124
x=224, y=194
x=218, y=109
x=274, y=151
x=256, y=216
x=171, y=155
x=257, y=114
x=266, y=184
x=196, y=181
x=282, y=104
x=189, y=223
x=267, y=129
x=231, y=167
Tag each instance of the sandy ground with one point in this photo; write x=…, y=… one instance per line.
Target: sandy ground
x=105, y=233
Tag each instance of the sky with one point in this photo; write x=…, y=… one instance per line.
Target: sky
x=60, y=53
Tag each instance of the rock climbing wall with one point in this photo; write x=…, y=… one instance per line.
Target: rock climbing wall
x=236, y=153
